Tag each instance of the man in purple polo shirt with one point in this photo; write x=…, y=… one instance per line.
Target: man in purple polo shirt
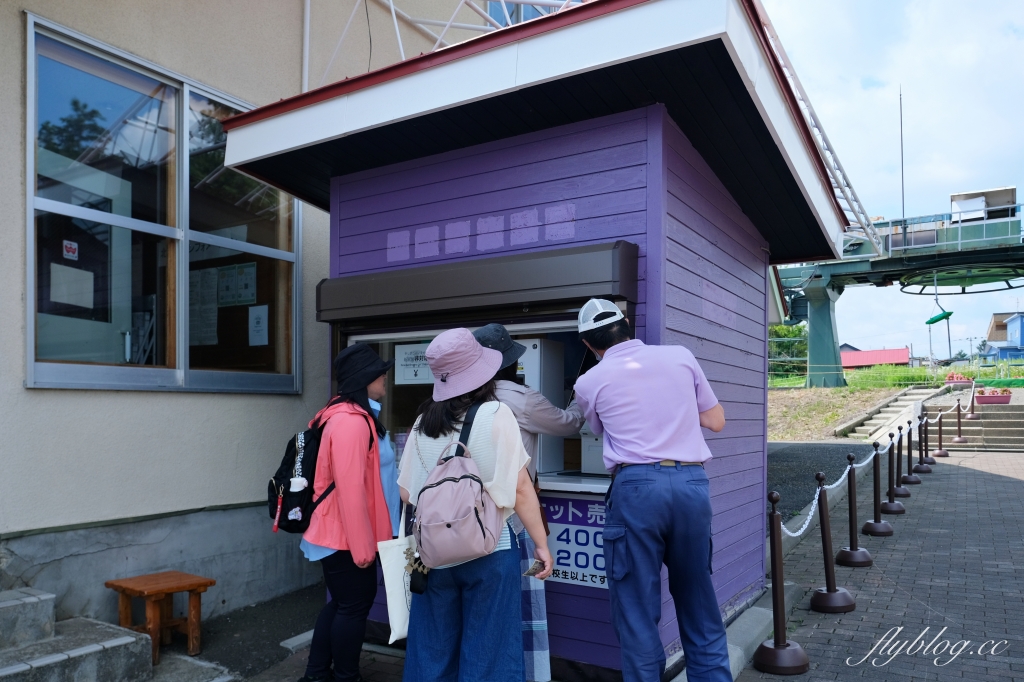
x=650, y=403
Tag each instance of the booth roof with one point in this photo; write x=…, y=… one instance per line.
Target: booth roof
x=704, y=61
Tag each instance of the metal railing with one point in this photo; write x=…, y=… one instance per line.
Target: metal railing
x=959, y=231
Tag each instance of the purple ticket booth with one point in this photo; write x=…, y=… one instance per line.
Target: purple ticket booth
x=645, y=152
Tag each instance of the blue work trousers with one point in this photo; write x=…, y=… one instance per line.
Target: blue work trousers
x=660, y=514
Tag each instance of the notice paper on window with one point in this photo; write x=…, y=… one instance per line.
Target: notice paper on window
x=236, y=285
x=202, y=307
x=72, y=286
x=259, y=334
x=411, y=364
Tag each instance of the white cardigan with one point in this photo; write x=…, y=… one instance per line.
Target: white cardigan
x=495, y=445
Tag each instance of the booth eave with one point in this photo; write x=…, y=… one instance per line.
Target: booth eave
x=704, y=61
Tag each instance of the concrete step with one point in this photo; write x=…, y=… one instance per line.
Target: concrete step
x=81, y=649
x=26, y=615
x=1008, y=441
x=996, y=432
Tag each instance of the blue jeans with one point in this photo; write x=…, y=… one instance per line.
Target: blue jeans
x=661, y=515
x=466, y=627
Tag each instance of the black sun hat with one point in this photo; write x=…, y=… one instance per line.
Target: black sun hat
x=496, y=337
x=357, y=366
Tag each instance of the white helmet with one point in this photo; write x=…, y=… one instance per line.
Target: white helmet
x=595, y=307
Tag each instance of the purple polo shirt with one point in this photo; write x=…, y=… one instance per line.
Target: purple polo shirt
x=646, y=401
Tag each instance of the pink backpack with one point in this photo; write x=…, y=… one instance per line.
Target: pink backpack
x=456, y=519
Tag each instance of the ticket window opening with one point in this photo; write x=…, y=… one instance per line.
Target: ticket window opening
x=550, y=365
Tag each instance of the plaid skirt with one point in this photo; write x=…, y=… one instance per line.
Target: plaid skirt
x=536, y=650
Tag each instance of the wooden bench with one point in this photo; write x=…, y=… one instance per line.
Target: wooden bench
x=158, y=590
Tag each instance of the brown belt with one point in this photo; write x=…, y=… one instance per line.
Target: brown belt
x=666, y=463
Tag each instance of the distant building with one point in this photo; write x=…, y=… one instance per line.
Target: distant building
x=853, y=359
x=1003, y=341
x=846, y=348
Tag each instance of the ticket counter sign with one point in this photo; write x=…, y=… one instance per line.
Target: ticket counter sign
x=577, y=539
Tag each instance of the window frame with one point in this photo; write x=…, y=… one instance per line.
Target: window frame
x=68, y=375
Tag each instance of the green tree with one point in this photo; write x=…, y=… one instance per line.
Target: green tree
x=787, y=349
x=960, y=355
x=981, y=345
x=75, y=134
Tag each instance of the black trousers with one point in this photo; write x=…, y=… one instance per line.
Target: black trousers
x=341, y=625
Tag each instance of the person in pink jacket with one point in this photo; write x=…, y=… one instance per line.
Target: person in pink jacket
x=345, y=528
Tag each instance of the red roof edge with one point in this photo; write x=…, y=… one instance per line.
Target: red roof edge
x=422, y=62
x=750, y=6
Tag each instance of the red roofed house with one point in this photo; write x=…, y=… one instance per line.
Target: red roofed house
x=853, y=359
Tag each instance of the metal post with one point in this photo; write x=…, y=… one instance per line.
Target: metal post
x=972, y=415
x=877, y=527
x=910, y=478
x=853, y=556
x=959, y=433
x=779, y=656
x=892, y=506
x=922, y=432
x=928, y=459
x=898, y=489
x=829, y=599
x=940, y=451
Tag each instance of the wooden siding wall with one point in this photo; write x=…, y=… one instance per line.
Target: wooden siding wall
x=715, y=293
x=576, y=184
x=631, y=176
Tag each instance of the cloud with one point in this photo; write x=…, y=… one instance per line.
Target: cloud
x=871, y=83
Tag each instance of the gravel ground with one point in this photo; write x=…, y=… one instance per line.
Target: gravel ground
x=791, y=469
x=964, y=395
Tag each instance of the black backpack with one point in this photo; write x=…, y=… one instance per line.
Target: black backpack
x=292, y=511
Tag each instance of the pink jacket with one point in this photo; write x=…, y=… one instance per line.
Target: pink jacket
x=355, y=516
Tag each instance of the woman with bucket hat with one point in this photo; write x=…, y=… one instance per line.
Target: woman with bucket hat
x=465, y=626
x=536, y=415
x=344, y=531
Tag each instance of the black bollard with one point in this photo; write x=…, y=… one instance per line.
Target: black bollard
x=921, y=467
x=853, y=556
x=910, y=478
x=877, y=527
x=899, y=490
x=928, y=459
x=972, y=415
x=940, y=451
x=959, y=428
x=777, y=655
x=892, y=506
x=829, y=599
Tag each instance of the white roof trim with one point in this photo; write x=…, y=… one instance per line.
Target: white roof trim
x=624, y=35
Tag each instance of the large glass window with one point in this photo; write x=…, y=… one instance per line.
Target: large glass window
x=113, y=215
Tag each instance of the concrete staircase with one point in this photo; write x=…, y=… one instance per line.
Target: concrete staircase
x=881, y=422
x=1001, y=427
x=35, y=648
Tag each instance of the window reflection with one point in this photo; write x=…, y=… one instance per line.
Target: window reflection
x=104, y=294
x=105, y=135
x=222, y=201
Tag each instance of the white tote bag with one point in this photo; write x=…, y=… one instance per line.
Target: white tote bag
x=393, y=560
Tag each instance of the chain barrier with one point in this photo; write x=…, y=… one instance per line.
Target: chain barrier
x=814, y=502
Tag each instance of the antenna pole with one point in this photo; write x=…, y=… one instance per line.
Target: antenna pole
x=903, y=196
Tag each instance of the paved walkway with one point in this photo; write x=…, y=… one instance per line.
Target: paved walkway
x=955, y=561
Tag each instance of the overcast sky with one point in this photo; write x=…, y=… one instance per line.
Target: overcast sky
x=961, y=67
